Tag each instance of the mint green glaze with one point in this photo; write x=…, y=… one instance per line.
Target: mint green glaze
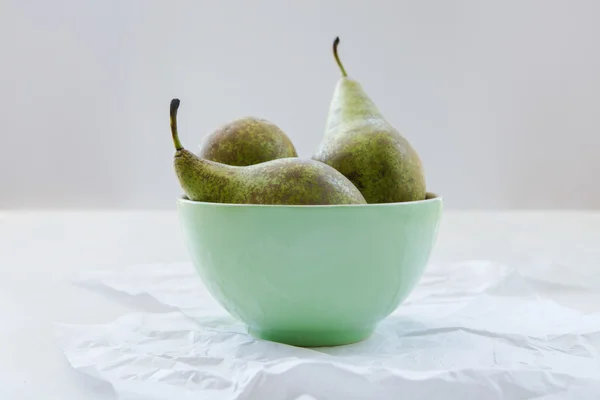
x=310, y=275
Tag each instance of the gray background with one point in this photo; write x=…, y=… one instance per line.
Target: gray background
x=500, y=98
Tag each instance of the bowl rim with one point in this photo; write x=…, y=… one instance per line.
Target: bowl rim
x=431, y=197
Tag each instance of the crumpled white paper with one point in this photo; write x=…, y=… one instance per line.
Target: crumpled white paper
x=473, y=330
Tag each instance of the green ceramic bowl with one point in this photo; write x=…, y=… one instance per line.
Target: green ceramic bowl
x=310, y=275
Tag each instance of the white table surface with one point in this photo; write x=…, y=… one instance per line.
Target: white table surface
x=40, y=252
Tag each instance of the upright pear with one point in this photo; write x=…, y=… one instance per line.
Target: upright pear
x=246, y=141
x=363, y=146
x=291, y=181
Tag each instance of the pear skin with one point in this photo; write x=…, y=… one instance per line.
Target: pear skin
x=369, y=151
x=291, y=181
x=246, y=141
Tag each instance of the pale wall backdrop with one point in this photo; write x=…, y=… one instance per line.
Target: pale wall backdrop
x=501, y=98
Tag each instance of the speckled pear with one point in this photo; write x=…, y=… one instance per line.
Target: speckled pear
x=246, y=141
x=365, y=148
x=291, y=181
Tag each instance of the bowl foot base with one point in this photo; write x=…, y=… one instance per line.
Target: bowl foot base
x=303, y=338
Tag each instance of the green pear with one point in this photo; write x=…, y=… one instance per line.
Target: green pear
x=246, y=141
x=291, y=181
x=365, y=148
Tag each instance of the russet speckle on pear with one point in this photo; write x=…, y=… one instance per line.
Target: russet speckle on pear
x=365, y=148
x=246, y=141
x=291, y=180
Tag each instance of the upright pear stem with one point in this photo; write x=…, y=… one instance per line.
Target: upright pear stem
x=173, y=118
x=337, y=58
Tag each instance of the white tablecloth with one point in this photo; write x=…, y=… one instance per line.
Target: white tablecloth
x=40, y=254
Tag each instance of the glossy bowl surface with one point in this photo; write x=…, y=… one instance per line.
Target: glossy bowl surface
x=310, y=275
